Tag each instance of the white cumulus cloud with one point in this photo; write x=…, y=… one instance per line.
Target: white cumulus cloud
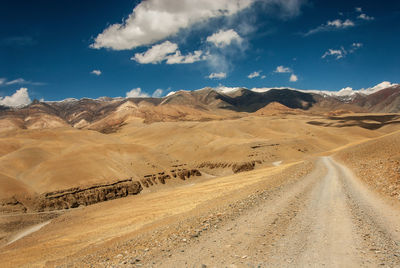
x=293, y=78
x=224, y=89
x=337, y=53
x=282, y=69
x=224, y=38
x=154, y=20
x=169, y=52
x=96, y=72
x=18, y=99
x=136, y=93
x=220, y=75
x=178, y=58
x=364, y=16
x=156, y=53
x=254, y=75
x=340, y=24
x=357, y=45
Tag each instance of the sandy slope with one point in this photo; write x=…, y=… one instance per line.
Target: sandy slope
x=101, y=226
x=377, y=163
x=53, y=159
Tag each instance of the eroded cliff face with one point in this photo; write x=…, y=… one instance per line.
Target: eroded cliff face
x=84, y=196
x=75, y=197
x=236, y=167
x=162, y=177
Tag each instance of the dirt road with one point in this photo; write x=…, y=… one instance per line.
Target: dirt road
x=328, y=219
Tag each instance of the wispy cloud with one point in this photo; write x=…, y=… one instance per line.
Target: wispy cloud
x=341, y=52
x=331, y=26
x=355, y=46
x=254, y=74
x=20, y=41
x=157, y=93
x=336, y=53
x=220, y=75
x=364, y=16
x=19, y=81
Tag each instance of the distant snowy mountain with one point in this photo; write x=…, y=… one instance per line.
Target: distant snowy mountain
x=107, y=114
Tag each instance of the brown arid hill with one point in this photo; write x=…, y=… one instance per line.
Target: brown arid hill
x=100, y=190
x=275, y=108
x=40, y=161
x=386, y=100
x=109, y=114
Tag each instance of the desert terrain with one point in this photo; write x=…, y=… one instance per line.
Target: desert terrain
x=202, y=179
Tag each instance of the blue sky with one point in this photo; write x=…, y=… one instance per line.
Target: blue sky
x=62, y=49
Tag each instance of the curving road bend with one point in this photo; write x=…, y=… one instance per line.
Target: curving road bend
x=327, y=219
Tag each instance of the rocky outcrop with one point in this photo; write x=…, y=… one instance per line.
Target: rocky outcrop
x=75, y=197
x=78, y=196
x=241, y=167
x=236, y=167
x=12, y=205
x=153, y=179
x=213, y=165
x=186, y=174
x=162, y=177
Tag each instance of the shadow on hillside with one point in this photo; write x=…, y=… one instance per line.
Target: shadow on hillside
x=371, y=122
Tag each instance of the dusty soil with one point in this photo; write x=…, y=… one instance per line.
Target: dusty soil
x=376, y=163
x=94, y=233
x=326, y=219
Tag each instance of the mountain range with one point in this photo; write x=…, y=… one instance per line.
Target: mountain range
x=108, y=114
